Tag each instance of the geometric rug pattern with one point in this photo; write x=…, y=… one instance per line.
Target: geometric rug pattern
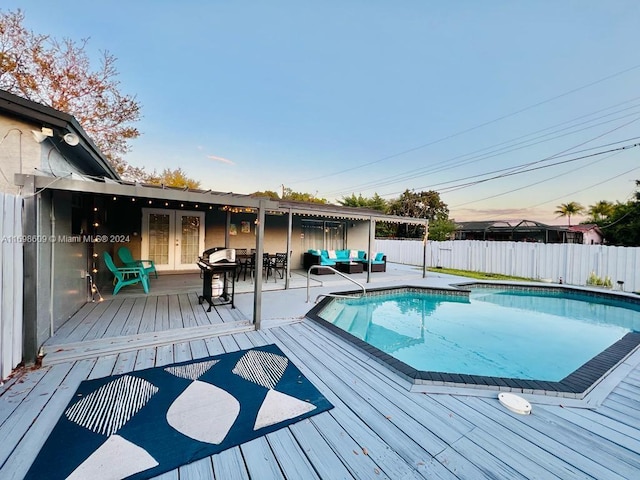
x=144, y=423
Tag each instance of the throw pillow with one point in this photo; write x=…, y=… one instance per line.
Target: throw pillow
x=332, y=254
x=378, y=257
x=353, y=253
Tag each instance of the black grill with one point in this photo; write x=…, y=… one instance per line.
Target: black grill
x=217, y=264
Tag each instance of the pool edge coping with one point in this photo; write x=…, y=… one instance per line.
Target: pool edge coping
x=575, y=387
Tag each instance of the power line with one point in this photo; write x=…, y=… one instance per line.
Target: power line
x=462, y=132
x=519, y=189
x=524, y=165
x=412, y=174
x=586, y=188
x=510, y=174
x=519, y=168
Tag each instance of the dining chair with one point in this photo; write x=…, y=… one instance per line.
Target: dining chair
x=267, y=265
x=249, y=265
x=241, y=259
x=279, y=265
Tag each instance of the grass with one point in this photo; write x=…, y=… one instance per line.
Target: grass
x=479, y=275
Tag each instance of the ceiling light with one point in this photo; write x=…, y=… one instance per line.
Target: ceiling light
x=71, y=139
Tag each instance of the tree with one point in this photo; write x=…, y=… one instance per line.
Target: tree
x=622, y=227
x=58, y=73
x=441, y=229
x=290, y=195
x=268, y=194
x=569, y=209
x=375, y=203
x=600, y=211
x=418, y=205
x=172, y=178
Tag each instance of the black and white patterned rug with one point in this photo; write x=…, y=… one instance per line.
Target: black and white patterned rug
x=141, y=424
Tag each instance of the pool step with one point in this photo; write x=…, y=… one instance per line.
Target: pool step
x=345, y=318
x=360, y=325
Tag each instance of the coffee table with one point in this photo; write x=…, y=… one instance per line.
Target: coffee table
x=350, y=267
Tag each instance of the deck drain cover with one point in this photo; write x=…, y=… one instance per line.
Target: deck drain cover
x=515, y=403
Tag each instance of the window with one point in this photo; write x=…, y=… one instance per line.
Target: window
x=319, y=234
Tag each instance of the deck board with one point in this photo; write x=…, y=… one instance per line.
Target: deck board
x=411, y=450
x=355, y=388
x=550, y=437
x=151, y=314
x=81, y=325
x=378, y=428
x=43, y=420
x=175, y=315
x=188, y=317
x=132, y=325
x=108, y=316
x=200, y=314
x=119, y=321
x=159, y=319
x=65, y=330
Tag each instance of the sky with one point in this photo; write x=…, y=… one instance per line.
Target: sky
x=507, y=108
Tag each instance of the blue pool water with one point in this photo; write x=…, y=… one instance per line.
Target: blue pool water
x=500, y=333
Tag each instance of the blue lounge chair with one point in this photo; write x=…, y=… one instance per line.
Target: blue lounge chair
x=126, y=275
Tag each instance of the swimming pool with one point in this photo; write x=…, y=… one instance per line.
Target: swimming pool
x=543, y=339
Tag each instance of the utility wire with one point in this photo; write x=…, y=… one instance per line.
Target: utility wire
x=539, y=182
x=462, y=132
x=500, y=151
x=519, y=168
x=565, y=195
x=540, y=167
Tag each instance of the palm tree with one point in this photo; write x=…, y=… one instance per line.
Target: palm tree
x=600, y=210
x=568, y=209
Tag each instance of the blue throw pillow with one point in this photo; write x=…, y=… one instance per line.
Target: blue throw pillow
x=379, y=256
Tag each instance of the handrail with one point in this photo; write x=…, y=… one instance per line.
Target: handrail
x=364, y=290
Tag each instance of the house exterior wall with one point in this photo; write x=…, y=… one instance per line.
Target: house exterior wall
x=275, y=236
x=70, y=264
x=358, y=235
x=591, y=237
x=275, y=232
x=62, y=296
x=19, y=152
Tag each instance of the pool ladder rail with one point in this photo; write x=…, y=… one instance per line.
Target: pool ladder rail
x=336, y=295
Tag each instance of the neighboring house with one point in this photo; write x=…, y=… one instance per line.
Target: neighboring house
x=526, y=231
x=587, y=234
x=76, y=207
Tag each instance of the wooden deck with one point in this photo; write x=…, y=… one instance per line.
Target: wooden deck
x=378, y=428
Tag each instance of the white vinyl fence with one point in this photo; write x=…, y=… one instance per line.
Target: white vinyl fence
x=570, y=262
x=10, y=283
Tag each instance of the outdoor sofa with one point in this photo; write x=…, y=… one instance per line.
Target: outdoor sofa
x=331, y=258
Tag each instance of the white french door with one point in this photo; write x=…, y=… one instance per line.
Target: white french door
x=173, y=239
